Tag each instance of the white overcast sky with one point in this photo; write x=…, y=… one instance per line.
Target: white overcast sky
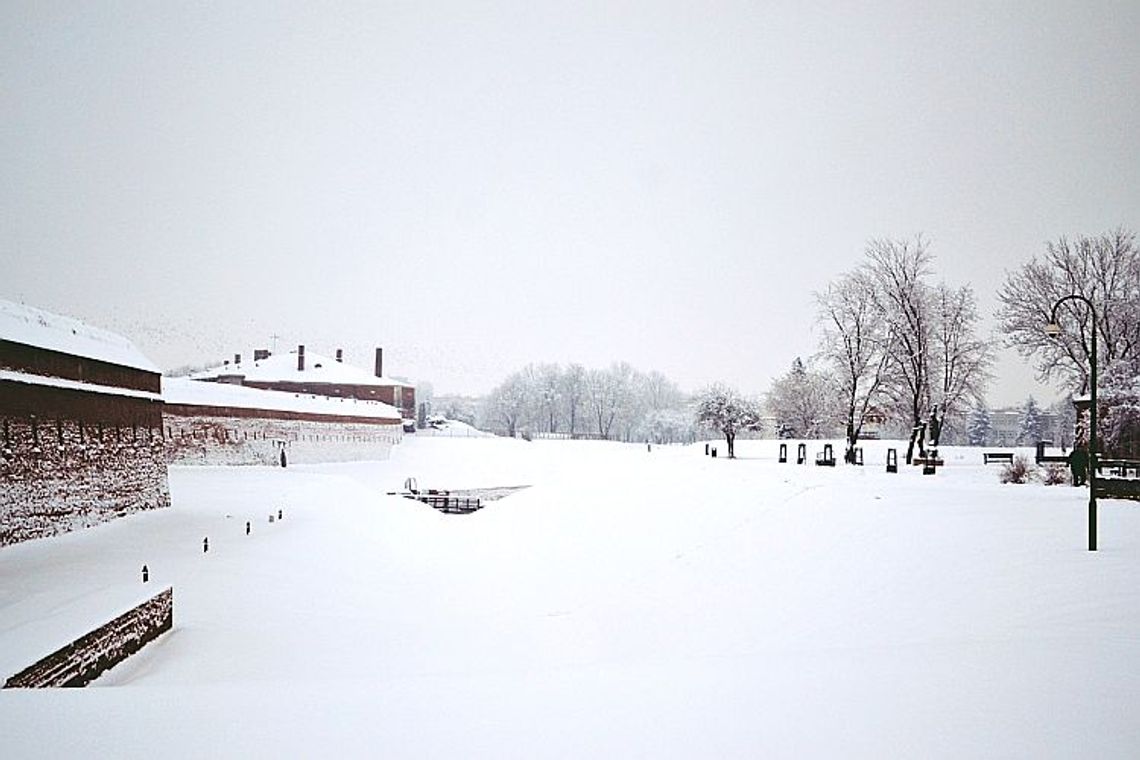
x=475, y=186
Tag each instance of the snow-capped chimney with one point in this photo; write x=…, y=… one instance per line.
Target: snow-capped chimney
x=300, y=358
x=260, y=353
x=237, y=358
x=379, y=362
x=340, y=354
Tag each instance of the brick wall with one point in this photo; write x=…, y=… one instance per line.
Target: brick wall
x=41, y=361
x=74, y=459
x=89, y=656
x=252, y=439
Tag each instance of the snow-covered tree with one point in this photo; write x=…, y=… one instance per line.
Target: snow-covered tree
x=804, y=402
x=1064, y=421
x=960, y=367
x=856, y=344
x=669, y=425
x=510, y=403
x=899, y=269
x=1029, y=430
x=545, y=381
x=725, y=409
x=978, y=431
x=573, y=394
x=1119, y=404
x=1104, y=269
x=938, y=363
x=608, y=393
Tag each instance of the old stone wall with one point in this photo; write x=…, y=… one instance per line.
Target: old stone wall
x=89, y=656
x=205, y=439
x=73, y=459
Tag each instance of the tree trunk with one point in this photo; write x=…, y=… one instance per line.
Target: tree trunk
x=852, y=436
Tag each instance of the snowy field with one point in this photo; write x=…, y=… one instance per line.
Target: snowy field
x=628, y=604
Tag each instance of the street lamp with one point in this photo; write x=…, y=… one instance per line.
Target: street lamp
x=1053, y=330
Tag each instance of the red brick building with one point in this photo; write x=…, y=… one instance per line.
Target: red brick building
x=81, y=434
x=299, y=372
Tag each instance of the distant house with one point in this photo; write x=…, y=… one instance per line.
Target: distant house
x=81, y=435
x=298, y=372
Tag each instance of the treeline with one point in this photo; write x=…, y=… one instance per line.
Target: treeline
x=616, y=403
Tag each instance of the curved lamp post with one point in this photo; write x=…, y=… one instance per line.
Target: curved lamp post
x=1053, y=330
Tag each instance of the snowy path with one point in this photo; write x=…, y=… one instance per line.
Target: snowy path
x=628, y=603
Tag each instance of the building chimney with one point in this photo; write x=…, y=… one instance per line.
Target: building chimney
x=300, y=358
x=379, y=362
x=340, y=354
x=260, y=353
x=237, y=358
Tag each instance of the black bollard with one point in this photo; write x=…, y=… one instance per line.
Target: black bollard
x=205, y=544
x=270, y=518
x=146, y=574
x=279, y=514
x=706, y=449
x=247, y=527
x=284, y=462
x=714, y=452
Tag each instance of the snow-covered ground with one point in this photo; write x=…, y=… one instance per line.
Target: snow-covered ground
x=629, y=604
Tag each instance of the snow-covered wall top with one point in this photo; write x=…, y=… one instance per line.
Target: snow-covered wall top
x=179, y=390
x=282, y=368
x=54, y=332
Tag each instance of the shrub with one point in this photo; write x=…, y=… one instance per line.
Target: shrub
x=1056, y=475
x=1017, y=471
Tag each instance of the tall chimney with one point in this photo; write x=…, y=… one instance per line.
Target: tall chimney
x=340, y=354
x=237, y=358
x=379, y=362
x=300, y=358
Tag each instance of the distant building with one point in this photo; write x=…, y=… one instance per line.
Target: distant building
x=81, y=435
x=223, y=424
x=298, y=372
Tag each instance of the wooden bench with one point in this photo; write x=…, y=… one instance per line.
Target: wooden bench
x=928, y=461
x=1118, y=488
x=997, y=456
x=1119, y=467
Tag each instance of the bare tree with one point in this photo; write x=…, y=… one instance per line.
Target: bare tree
x=962, y=360
x=607, y=394
x=573, y=394
x=1105, y=269
x=857, y=344
x=510, y=403
x=899, y=269
x=545, y=381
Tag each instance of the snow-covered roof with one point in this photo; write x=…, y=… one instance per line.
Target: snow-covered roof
x=180, y=390
x=282, y=368
x=42, y=329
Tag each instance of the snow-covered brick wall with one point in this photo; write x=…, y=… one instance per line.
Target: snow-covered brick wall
x=180, y=392
x=71, y=459
x=244, y=439
x=86, y=658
